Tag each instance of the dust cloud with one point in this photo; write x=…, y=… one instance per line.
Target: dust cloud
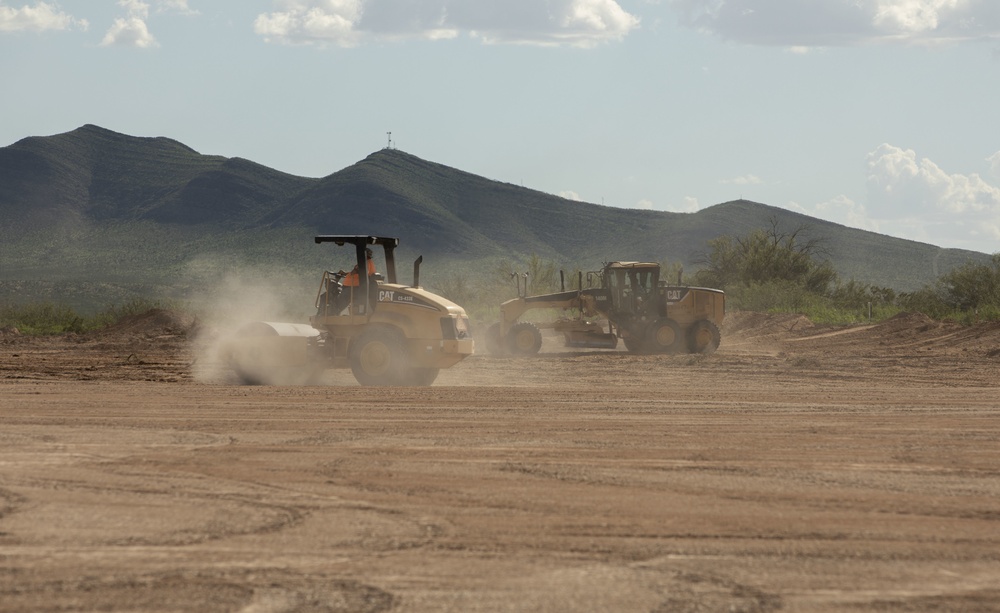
x=238, y=297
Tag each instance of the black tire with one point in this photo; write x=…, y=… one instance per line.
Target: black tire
x=422, y=377
x=493, y=343
x=524, y=339
x=247, y=364
x=664, y=336
x=703, y=337
x=247, y=377
x=378, y=357
x=633, y=345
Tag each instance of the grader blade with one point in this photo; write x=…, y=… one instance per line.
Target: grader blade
x=590, y=339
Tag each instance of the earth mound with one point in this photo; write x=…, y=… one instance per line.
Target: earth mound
x=153, y=323
x=746, y=325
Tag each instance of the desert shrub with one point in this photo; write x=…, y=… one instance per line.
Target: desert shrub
x=41, y=318
x=114, y=313
x=853, y=295
x=987, y=313
x=973, y=286
x=542, y=275
x=930, y=300
x=771, y=296
x=50, y=318
x=671, y=271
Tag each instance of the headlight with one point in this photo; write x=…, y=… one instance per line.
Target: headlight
x=455, y=328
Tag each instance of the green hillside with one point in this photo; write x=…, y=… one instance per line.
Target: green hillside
x=92, y=216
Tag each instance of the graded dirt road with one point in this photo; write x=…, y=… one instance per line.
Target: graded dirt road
x=797, y=469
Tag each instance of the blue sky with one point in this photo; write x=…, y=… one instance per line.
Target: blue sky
x=878, y=114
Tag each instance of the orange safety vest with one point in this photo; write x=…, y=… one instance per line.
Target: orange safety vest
x=352, y=280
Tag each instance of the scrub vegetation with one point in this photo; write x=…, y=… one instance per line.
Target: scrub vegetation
x=766, y=270
x=51, y=318
x=772, y=271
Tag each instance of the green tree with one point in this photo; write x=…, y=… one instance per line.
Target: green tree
x=973, y=286
x=671, y=272
x=540, y=275
x=766, y=256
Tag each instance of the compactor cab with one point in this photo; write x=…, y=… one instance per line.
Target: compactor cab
x=335, y=296
x=386, y=332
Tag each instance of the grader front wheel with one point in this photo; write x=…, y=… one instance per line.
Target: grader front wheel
x=663, y=336
x=524, y=339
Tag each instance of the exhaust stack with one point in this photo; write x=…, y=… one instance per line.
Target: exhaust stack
x=416, y=271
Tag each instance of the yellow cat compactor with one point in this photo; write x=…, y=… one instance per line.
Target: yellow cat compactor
x=387, y=333
x=648, y=314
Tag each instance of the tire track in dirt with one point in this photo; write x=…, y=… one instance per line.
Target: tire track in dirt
x=260, y=590
x=853, y=470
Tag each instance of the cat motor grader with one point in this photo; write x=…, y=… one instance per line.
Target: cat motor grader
x=647, y=313
x=386, y=332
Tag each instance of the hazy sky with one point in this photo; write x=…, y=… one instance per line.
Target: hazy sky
x=878, y=114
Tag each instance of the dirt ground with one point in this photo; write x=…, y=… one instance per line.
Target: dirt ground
x=799, y=468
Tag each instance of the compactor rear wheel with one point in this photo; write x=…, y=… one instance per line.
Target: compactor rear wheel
x=703, y=337
x=664, y=336
x=524, y=339
x=378, y=357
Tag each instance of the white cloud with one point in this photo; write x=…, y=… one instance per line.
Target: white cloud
x=38, y=18
x=132, y=30
x=135, y=8
x=994, y=161
x=941, y=208
x=570, y=195
x=915, y=199
x=346, y=23
x=129, y=32
x=689, y=204
x=744, y=180
x=644, y=204
x=842, y=210
x=303, y=22
x=897, y=178
x=176, y=6
x=823, y=23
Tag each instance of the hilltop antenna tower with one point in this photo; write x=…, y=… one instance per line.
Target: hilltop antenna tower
x=389, y=143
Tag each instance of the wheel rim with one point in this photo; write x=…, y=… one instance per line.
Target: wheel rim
x=665, y=336
x=702, y=338
x=375, y=358
x=524, y=340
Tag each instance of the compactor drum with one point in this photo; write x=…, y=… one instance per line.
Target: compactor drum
x=387, y=333
x=649, y=315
